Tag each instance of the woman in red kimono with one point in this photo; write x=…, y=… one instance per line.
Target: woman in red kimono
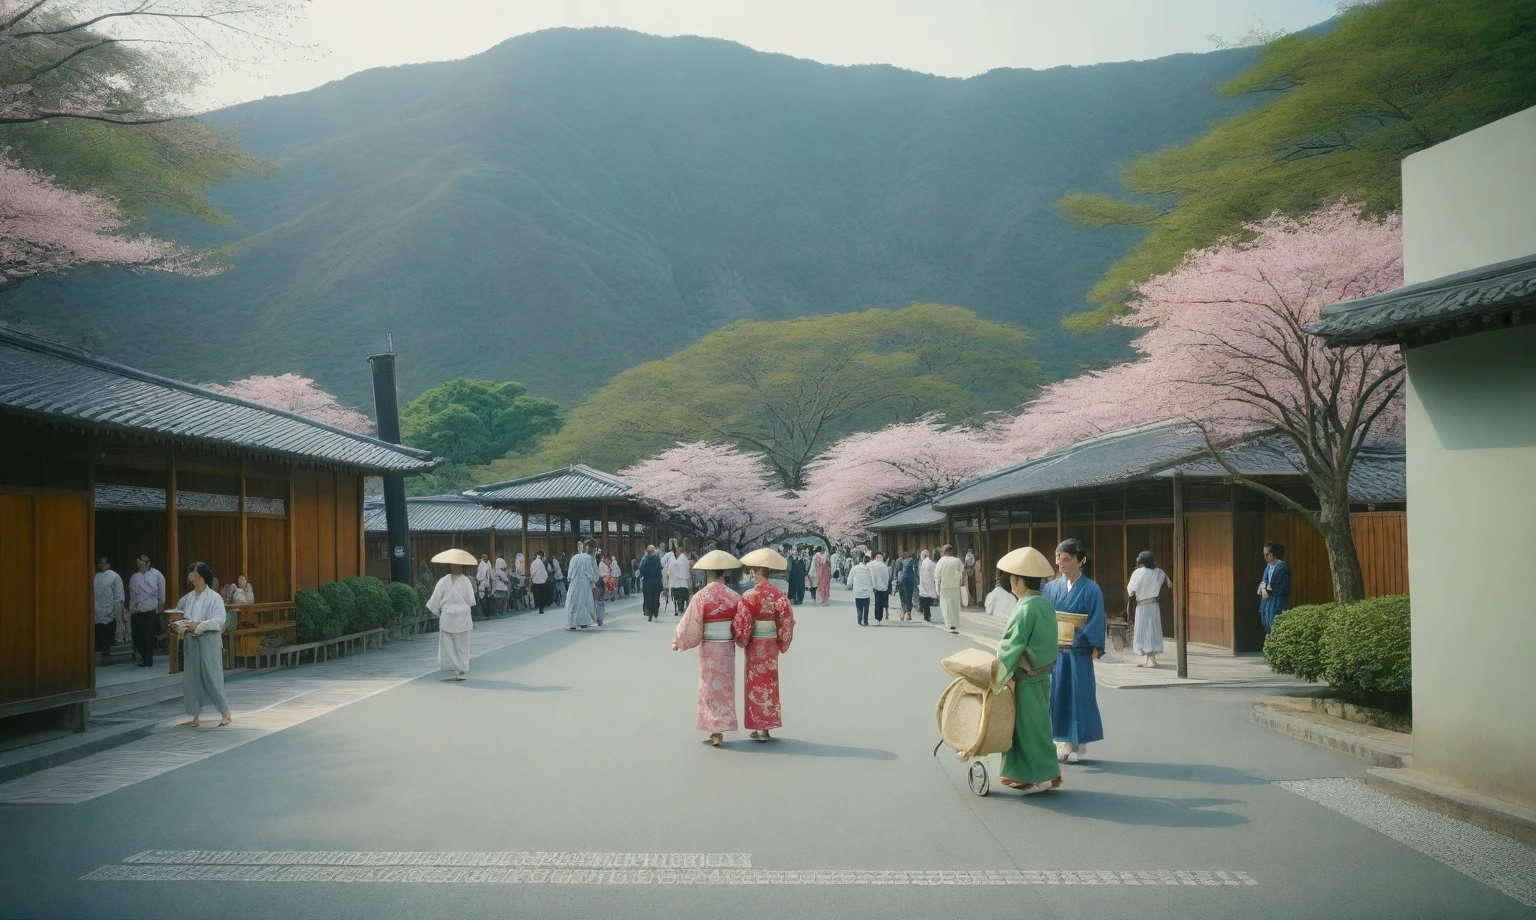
x=765, y=625
x=709, y=625
x=823, y=577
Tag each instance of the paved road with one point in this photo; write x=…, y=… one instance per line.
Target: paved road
x=565, y=779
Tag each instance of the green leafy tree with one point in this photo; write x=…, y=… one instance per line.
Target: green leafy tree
x=1343, y=108
x=787, y=389
x=471, y=422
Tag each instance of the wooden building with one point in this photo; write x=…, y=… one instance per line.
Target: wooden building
x=914, y=528
x=105, y=460
x=573, y=504
x=1117, y=494
x=440, y=522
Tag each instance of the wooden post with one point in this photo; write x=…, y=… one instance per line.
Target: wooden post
x=1010, y=527
x=172, y=529
x=527, y=560
x=606, y=549
x=293, y=552
x=1060, y=534
x=1125, y=547
x=245, y=555
x=1181, y=578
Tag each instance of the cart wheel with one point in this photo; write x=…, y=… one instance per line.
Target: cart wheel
x=978, y=778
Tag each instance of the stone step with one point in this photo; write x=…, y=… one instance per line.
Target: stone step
x=1382, y=748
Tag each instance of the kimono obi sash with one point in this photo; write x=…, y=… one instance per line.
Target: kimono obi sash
x=718, y=631
x=765, y=629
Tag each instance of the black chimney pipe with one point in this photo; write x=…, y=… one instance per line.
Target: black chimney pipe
x=386, y=414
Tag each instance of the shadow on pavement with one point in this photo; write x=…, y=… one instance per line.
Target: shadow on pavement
x=1133, y=809
x=1183, y=772
x=479, y=683
x=796, y=748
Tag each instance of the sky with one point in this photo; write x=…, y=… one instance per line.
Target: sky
x=957, y=38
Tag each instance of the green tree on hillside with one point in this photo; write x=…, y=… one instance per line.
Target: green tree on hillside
x=467, y=423
x=789, y=388
x=1390, y=79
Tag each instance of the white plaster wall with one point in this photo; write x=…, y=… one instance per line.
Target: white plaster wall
x=1470, y=202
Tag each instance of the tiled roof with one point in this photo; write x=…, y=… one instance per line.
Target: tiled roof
x=1155, y=451
x=447, y=514
x=50, y=381
x=1115, y=457
x=922, y=514
x=1458, y=304
x=575, y=482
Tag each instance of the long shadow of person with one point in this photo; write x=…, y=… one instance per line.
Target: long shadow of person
x=793, y=747
x=1152, y=811
x=510, y=686
x=1183, y=772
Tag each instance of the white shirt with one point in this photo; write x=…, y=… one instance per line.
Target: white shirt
x=860, y=581
x=146, y=591
x=1001, y=603
x=206, y=608
x=1146, y=583
x=880, y=573
x=679, y=571
x=539, y=572
x=451, y=601
x=666, y=569
x=948, y=572
x=926, y=586
x=109, y=593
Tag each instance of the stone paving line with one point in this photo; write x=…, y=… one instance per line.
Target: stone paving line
x=265, y=704
x=1493, y=859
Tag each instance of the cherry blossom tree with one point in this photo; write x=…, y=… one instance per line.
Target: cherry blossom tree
x=1225, y=348
x=45, y=228
x=863, y=473
x=717, y=492
x=299, y=395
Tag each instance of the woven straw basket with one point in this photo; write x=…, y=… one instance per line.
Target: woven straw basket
x=975, y=722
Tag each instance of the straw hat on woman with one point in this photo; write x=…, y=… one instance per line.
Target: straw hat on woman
x=1028, y=656
x=708, y=624
x=452, y=600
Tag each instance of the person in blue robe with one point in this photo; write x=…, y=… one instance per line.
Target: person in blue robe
x=1275, y=588
x=1074, y=698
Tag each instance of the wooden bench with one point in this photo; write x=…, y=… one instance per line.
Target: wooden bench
x=322, y=650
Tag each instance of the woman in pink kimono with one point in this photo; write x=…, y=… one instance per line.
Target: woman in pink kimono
x=765, y=625
x=823, y=578
x=709, y=624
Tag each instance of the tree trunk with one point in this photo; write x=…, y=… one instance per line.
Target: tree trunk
x=1343, y=560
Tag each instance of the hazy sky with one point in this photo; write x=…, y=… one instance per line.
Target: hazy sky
x=950, y=37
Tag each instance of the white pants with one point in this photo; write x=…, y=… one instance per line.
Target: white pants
x=453, y=651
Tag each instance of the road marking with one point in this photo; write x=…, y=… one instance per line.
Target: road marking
x=1493, y=859
x=576, y=868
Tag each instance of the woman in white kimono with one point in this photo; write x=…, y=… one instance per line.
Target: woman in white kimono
x=199, y=618
x=1145, y=586
x=452, y=600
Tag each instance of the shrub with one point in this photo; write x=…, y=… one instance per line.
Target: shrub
x=1295, y=641
x=406, y=602
x=313, y=618
x=1367, y=650
x=338, y=596
x=373, y=606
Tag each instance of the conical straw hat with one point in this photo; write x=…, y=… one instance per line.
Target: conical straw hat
x=765, y=558
x=717, y=559
x=1027, y=561
x=455, y=557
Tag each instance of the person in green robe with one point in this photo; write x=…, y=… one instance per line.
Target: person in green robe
x=1028, y=654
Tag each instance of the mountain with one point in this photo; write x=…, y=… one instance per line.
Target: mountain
x=572, y=203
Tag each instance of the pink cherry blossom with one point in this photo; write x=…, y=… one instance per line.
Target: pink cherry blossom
x=299, y=395
x=717, y=491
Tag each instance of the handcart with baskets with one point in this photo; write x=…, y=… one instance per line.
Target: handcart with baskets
x=974, y=719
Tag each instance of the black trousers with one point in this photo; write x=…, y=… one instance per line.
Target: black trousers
x=882, y=604
x=541, y=595
x=104, y=635
x=680, y=599
x=652, y=601
x=861, y=607
x=925, y=604
x=144, y=624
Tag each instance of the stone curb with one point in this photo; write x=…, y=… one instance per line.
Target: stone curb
x=1496, y=815
x=1328, y=732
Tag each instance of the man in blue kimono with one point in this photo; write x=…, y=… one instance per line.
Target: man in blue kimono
x=1275, y=588
x=1074, y=697
x=796, y=575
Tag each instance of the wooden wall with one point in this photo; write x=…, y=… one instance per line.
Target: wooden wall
x=1208, y=562
x=1381, y=538
x=327, y=523
x=45, y=594
x=267, y=558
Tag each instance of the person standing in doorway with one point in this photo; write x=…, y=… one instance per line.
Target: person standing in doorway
x=650, y=583
x=863, y=585
x=1142, y=591
x=146, y=598
x=949, y=576
x=453, y=601
x=1075, y=717
x=108, y=607
x=1275, y=587
x=880, y=574
x=199, y=618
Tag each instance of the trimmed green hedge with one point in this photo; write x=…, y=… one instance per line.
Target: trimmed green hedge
x=372, y=607
x=1363, y=651
x=343, y=605
x=313, y=618
x=405, y=601
x=1295, y=641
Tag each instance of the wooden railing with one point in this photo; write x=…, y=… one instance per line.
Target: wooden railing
x=248, y=629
